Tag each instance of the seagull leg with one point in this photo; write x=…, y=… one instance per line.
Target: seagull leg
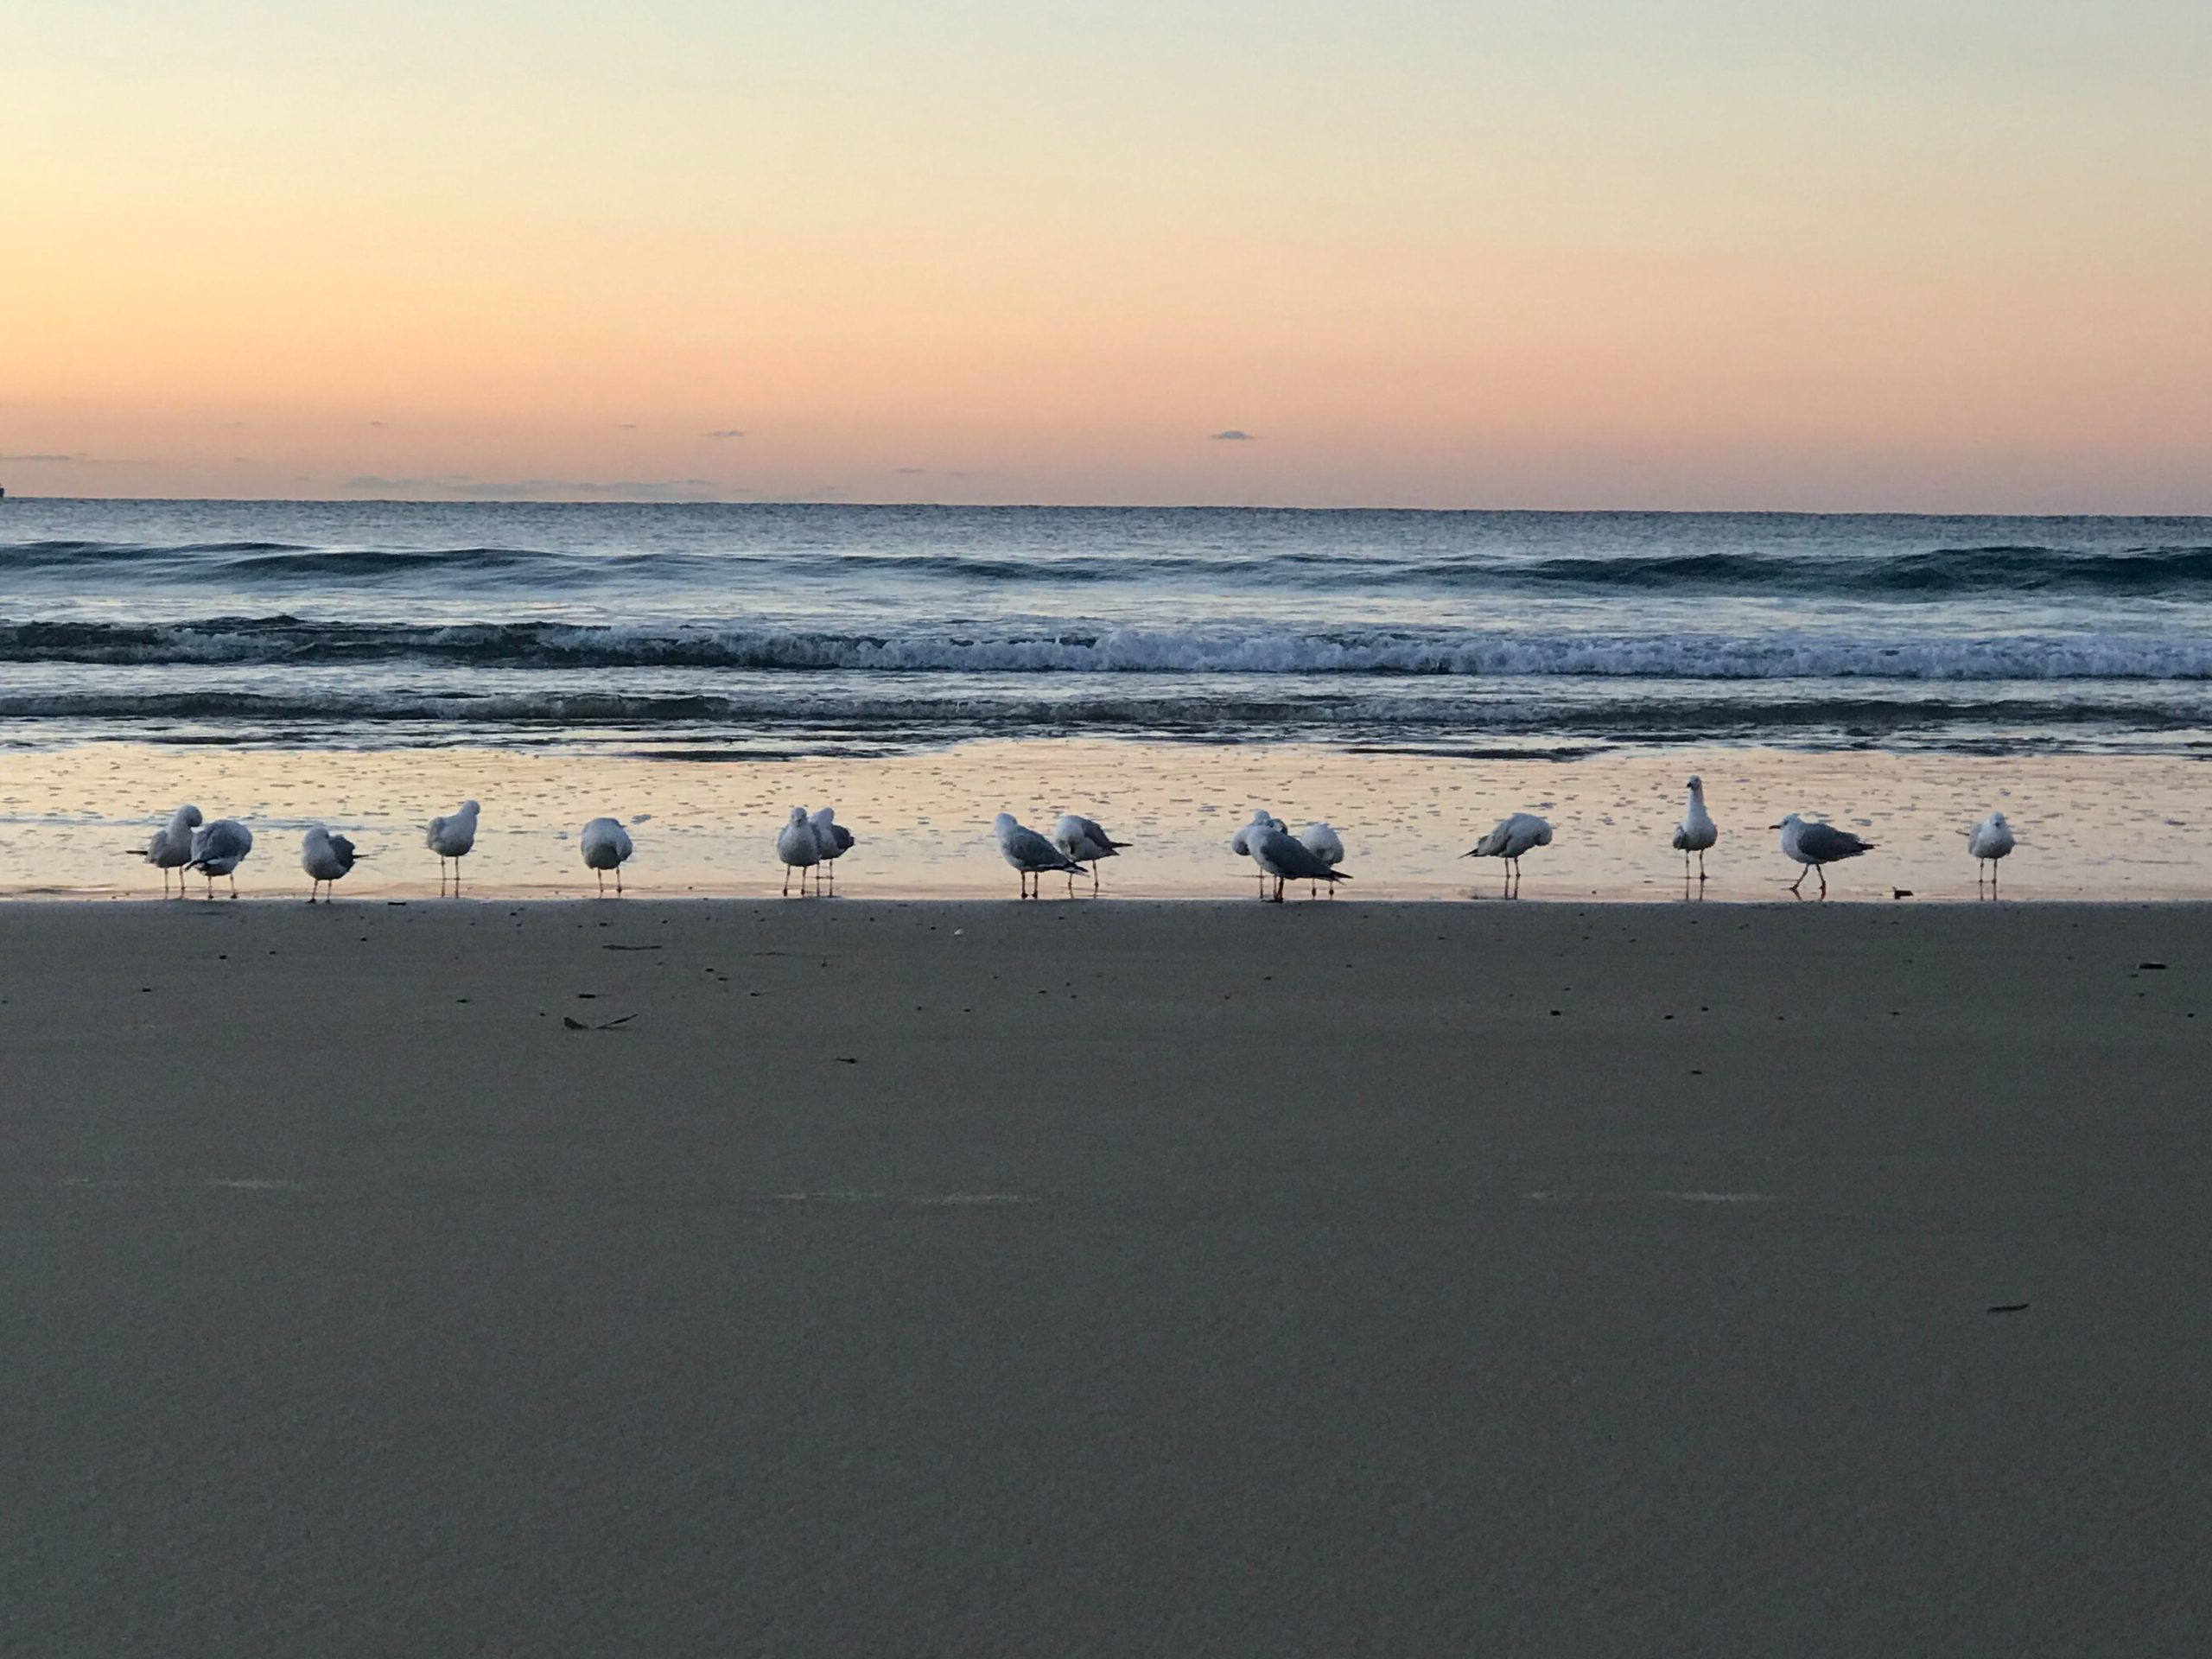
x=234, y=884
x=1797, y=885
x=1820, y=870
x=787, y=881
x=617, y=880
x=1701, y=864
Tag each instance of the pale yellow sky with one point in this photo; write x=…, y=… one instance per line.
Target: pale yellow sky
x=1601, y=254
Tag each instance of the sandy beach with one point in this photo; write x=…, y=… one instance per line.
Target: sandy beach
x=1109, y=1279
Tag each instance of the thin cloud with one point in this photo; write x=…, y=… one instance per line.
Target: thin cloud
x=1232, y=435
x=726, y=432
x=79, y=459
x=913, y=472
x=526, y=489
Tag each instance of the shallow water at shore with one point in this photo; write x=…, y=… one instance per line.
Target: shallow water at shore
x=2090, y=827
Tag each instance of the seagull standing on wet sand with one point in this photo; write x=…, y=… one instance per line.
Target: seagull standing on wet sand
x=1989, y=841
x=219, y=848
x=1082, y=840
x=1510, y=837
x=835, y=841
x=170, y=848
x=1696, y=831
x=797, y=847
x=1813, y=844
x=1241, y=842
x=1325, y=844
x=606, y=845
x=1281, y=854
x=1029, y=853
x=325, y=857
x=451, y=838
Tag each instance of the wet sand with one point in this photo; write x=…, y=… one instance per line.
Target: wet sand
x=1113, y=1279
x=2095, y=827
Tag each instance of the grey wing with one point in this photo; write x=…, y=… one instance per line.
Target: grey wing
x=1826, y=844
x=1036, y=850
x=843, y=836
x=344, y=848
x=1682, y=837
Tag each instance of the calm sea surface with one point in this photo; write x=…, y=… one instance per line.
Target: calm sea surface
x=703, y=632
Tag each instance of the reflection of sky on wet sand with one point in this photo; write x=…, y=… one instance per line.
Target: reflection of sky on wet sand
x=2090, y=826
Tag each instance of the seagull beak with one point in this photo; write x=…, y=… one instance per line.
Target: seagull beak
x=1774, y=826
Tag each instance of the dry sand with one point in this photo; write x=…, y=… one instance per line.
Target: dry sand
x=1113, y=1279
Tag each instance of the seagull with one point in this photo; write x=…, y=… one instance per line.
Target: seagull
x=1989, y=841
x=1281, y=854
x=797, y=847
x=1696, y=831
x=217, y=850
x=451, y=838
x=1029, y=853
x=1325, y=844
x=605, y=844
x=1813, y=844
x=835, y=839
x=325, y=857
x=1082, y=840
x=1510, y=837
x=170, y=848
x=1241, y=842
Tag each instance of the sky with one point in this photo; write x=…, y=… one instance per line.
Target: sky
x=1565, y=253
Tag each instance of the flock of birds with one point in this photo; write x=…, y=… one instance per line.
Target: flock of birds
x=813, y=842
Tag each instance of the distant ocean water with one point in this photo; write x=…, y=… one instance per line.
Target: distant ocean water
x=693, y=631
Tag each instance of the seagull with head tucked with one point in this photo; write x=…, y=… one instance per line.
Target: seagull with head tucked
x=1030, y=854
x=1082, y=840
x=170, y=848
x=605, y=846
x=325, y=857
x=452, y=838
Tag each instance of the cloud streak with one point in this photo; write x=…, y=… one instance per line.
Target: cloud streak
x=1232, y=435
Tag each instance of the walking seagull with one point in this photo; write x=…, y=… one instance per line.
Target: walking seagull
x=1082, y=840
x=606, y=844
x=170, y=848
x=797, y=847
x=1241, y=842
x=1989, y=841
x=1325, y=844
x=1696, y=831
x=1029, y=853
x=835, y=839
x=1281, y=854
x=1813, y=844
x=325, y=857
x=219, y=848
x=451, y=838
x=1510, y=837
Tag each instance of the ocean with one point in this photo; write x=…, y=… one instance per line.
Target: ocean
x=755, y=629
x=1408, y=676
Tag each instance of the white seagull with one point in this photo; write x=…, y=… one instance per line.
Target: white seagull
x=1029, y=853
x=219, y=848
x=1696, y=831
x=1989, y=841
x=1510, y=837
x=1241, y=842
x=1812, y=844
x=834, y=839
x=606, y=844
x=1084, y=841
x=1325, y=844
x=451, y=838
x=1281, y=854
x=170, y=848
x=325, y=857
x=797, y=846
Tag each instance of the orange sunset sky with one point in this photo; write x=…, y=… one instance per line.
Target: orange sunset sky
x=1684, y=254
